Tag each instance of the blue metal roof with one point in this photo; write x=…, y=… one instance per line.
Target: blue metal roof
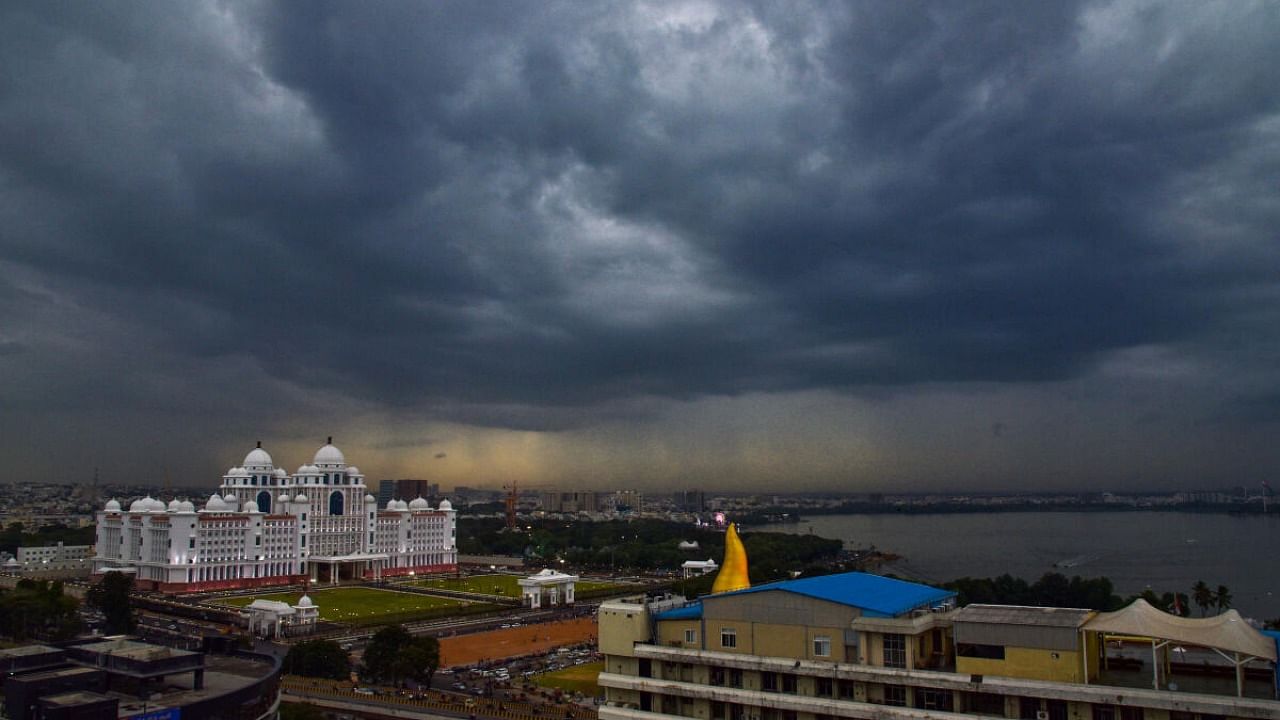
x=692, y=611
x=875, y=595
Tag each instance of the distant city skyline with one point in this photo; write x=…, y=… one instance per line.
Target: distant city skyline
x=870, y=247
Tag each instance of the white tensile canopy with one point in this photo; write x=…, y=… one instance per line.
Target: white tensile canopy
x=1225, y=633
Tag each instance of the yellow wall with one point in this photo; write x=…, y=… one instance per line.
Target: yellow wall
x=768, y=639
x=671, y=633
x=619, y=630
x=1027, y=663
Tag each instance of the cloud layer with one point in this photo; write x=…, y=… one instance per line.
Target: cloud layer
x=715, y=243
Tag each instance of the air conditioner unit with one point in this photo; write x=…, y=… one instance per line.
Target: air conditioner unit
x=1042, y=715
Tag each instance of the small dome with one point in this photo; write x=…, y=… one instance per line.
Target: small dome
x=280, y=473
x=300, y=498
x=353, y=470
x=230, y=499
x=174, y=505
x=250, y=506
x=113, y=505
x=215, y=504
x=157, y=506
x=305, y=601
x=419, y=504
x=370, y=499
x=446, y=505
x=186, y=506
x=258, y=457
x=238, y=472
x=284, y=498
x=329, y=455
x=307, y=470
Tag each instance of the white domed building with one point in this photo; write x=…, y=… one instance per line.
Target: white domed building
x=266, y=527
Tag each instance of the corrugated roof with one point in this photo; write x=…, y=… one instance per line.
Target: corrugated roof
x=692, y=611
x=874, y=594
x=1024, y=615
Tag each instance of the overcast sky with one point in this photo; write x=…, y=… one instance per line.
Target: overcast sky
x=779, y=246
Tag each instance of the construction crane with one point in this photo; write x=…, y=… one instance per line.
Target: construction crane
x=512, y=498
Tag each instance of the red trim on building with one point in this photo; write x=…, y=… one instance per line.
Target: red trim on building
x=418, y=570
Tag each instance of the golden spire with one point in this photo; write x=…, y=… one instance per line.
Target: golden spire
x=733, y=571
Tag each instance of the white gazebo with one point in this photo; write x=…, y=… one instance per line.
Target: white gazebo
x=546, y=588
x=699, y=567
x=275, y=619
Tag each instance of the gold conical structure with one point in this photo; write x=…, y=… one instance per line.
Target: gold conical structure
x=733, y=571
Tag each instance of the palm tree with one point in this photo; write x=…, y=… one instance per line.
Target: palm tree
x=1203, y=596
x=1222, y=598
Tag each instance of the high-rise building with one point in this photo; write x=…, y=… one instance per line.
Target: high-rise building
x=267, y=527
x=690, y=501
x=570, y=502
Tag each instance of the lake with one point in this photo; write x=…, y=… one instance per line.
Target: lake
x=1165, y=551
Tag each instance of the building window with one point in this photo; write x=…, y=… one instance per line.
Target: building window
x=769, y=682
x=895, y=650
x=845, y=688
x=728, y=637
x=986, y=652
x=717, y=676
x=822, y=687
x=931, y=699
x=895, y=695
x=735, y=678
x=985, y=704
x=788, y=683
x=1057, y=709
x=691, y=636
x=822, y=646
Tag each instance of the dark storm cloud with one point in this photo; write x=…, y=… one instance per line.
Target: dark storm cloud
x=524, y=215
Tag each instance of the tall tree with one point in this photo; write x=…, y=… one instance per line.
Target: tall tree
x=318, y=658
x=393, y=656
x=1203, y=596
x=111, y=596
x=1222, y=598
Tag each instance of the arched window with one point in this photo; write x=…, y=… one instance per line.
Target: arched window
x=335, y=503
x=264, y=501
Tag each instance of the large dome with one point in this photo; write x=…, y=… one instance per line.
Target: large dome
x=419, y=504
x=257, y=457
x=329, y=455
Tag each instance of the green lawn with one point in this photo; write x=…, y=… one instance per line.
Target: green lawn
x=579, y=678
x=364, y=606
x=504, y=585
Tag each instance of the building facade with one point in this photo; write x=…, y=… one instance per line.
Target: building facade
x=863, y=646
x=266, y=527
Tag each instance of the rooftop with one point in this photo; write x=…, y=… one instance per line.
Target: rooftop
x=1020, y=615
x=873, y=594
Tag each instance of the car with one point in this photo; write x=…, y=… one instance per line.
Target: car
x=459, y=686
x=363, y=691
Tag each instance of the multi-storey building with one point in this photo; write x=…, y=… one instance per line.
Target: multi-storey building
x=863, y=646
x=267, y=527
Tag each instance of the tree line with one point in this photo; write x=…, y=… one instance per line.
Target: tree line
x=641, y=545
x=1056, y=590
